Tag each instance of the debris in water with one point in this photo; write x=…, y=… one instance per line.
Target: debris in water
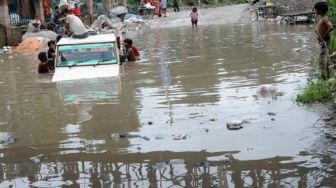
x=117, y=136
x=266, y=91
x=331, y=135
x=7, y=138
x=271, y=114
x=159, y=137
x=145, y=138
x=230, y=157
x=150, y=123
x=272, y=119
x=206, y=130
x=123, y=135
x=234, y=125
x=298, y=49
x=212, y=119
x=179, y=136
x=36, y=159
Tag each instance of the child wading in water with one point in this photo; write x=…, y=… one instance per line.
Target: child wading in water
x=194, y=17
x=43, y=65
x=322, y=30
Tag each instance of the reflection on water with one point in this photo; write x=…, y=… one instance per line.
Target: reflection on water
x=188, y=83
x=89, y=90
x=168, y=169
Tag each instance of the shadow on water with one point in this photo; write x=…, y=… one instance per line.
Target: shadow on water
x=163, y=121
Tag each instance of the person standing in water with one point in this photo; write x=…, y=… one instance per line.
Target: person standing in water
x=323, y=28
x=194, y=17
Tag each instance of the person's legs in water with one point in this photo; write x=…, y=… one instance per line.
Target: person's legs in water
x=324, y=59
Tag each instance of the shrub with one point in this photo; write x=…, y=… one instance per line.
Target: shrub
x=316, y=91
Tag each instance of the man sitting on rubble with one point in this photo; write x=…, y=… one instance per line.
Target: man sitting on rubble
x=74, y=25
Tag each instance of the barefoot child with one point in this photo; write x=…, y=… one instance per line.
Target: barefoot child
x=322, y=30
x=194, y=17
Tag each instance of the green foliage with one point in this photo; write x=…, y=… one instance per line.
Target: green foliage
x=315, y=60
x=316, y=91
x=132, y=2
x=332, y=10
x=170, y=4
x=208, y=2
x=191, y=2
x=333, y=43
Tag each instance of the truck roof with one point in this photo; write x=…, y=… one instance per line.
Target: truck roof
x=92, y=39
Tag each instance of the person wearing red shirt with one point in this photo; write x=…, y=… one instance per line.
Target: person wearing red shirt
x=135, y=50
x=76, y=11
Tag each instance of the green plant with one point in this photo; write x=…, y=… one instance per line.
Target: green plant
x=332, y=10
x=315, y=60
x=316, y=91
x=191, y=2
x=208, y=2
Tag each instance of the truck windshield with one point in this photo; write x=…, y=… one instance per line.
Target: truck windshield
x=86, y=55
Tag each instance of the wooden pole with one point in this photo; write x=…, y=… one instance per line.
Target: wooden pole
x=4, y=19
x=107, y=6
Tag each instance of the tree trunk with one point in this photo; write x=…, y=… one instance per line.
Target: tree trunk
x=39, y=11
x=90, y=10
x=4, y=19
x=124, y=3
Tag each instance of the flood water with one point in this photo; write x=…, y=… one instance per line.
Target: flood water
x=162, y=123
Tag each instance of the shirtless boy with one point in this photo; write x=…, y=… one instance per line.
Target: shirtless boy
x=322, y=30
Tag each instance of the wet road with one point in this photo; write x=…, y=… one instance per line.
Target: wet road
x=163, y=121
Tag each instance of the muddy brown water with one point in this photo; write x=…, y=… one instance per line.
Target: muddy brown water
x=171, y=110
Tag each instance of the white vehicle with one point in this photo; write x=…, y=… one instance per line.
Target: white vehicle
x=92, y=57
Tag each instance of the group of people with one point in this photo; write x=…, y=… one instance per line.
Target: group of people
x=47, y=60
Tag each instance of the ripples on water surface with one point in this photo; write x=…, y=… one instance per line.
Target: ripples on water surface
x=188, y=84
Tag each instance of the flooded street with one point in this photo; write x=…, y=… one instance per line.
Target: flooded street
x=163, y=122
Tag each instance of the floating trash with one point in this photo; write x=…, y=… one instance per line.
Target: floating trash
x=234, y=125
x=179, y=136
x=266, y=91
x=37, y=159
x=7, y=138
